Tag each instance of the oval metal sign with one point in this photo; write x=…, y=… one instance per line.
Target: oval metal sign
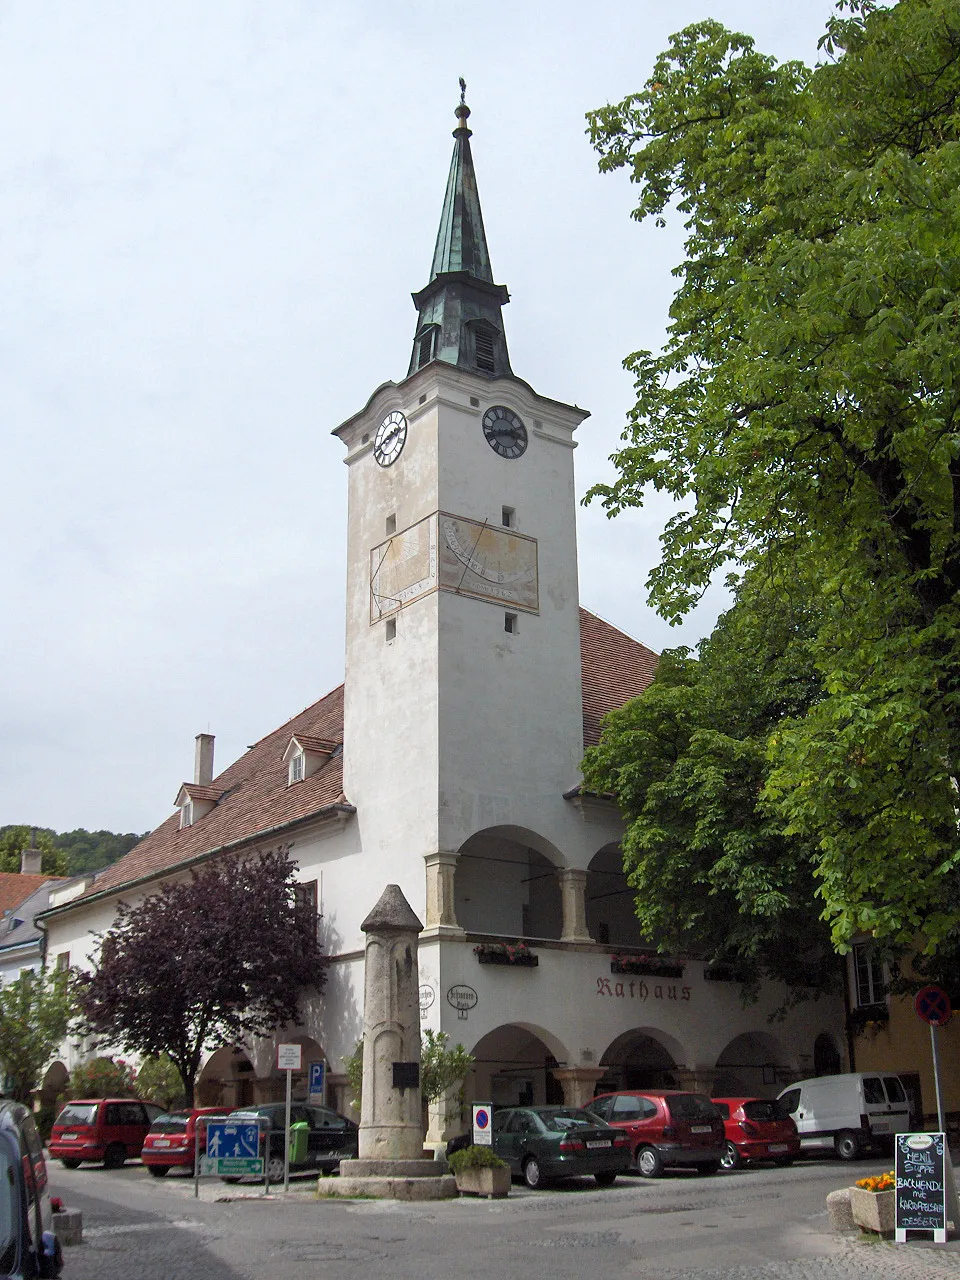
x=462, y=997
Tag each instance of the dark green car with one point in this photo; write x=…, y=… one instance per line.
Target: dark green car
x=543, y=1143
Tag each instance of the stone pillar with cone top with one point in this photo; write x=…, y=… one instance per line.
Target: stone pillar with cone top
x=391, y=1162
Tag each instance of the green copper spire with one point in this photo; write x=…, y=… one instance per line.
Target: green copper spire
x=460, y=320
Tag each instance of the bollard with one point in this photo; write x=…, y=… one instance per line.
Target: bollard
x=68, y=1226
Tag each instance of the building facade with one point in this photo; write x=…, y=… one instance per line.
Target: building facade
x=448, y=762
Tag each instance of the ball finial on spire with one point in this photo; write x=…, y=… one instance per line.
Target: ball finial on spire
x=462, y=111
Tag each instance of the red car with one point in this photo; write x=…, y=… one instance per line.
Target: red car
x=107, y=1129
x=667, y=1127
x=172, y=1140
x=757, y=1129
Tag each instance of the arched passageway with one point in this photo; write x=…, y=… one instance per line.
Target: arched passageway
x=611, y=917
x=514, y=1067
x=641, y=1059
x=505, y=885
x=226, y=1080
x=752, y=1065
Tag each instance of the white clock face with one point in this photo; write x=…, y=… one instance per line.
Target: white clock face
x=391, y=437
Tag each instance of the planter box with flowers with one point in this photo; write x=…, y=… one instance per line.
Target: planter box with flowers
x=725, y=973
x=480, y=1173
x=649, y=966
x=517, y=953
x=873, y=1203
x=867, y=1018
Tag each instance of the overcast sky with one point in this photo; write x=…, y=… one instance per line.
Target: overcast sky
x=212, y=215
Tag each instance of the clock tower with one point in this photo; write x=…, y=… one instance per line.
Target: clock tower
x=463, y=698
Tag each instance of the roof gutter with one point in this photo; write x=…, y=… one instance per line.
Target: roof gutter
x=339, y=810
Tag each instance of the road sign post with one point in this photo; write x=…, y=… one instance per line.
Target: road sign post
x=233, y=1150
x=932, y=1005
x=482, y=1132
x=289, y=1059
x=316, y=1079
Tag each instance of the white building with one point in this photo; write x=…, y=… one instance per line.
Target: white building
x=449, y=761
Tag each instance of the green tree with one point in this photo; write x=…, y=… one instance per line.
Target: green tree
x=714, y=870
x=93, y=850
x=35, y=1014
x=102, y=1077
x=158, y=1080
x=13, y=841
x=804, y=412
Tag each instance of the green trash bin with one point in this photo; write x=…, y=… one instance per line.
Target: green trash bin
x=299, y=1136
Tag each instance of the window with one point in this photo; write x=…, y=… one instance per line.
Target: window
x=868, y=975
x=390, y=525
x=427, y=346
x=484, y=343
x=508, y=518
x=296, y=768
x=305, y=903
x=186, y=815
x=391, y=629
x=63, y=961
x=510, y=624
x=626, y=1107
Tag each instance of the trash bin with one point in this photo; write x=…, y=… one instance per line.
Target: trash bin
x=299, y=1135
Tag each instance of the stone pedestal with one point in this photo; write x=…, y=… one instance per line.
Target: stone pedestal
x=390, y=1163
x=578, y=1083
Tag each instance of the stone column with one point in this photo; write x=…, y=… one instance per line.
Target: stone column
x=578, y=1083
x=390, y=1123
x=573, y=896
x=441, y=868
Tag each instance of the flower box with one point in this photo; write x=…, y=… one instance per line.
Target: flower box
x=867, y=1017
x=492, y=1183
x=520, y=956
x=647, y=966
x=873, y=1210
x=724, y=973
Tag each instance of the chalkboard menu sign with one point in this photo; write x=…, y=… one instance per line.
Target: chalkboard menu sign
x=921, y=1184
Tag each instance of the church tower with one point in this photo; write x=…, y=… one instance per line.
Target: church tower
x=463, y=701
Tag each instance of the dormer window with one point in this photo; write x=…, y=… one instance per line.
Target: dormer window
x=186, y=814
x=306, y=754
x=195, y=801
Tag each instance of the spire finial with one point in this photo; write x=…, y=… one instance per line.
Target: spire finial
x=463, y=92
x=462, y=112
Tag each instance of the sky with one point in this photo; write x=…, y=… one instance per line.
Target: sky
x=212, y=217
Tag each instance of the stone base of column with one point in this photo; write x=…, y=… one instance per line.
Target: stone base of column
x=390, y=1180
x=452, y=931
x=578, y=1083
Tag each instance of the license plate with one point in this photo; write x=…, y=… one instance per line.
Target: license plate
x=594, y=1146
x=162, y=1142
x=882, y=1127
x=778, y=1146
x=700, y=1128
x=70, y=1137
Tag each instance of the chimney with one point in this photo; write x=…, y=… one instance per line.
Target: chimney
x=203, y=761
x=30, y=857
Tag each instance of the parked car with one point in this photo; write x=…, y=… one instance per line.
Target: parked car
x=666, y=1128
x=330, y=1137
x=545, y=1143
x=852, y=1113
x=756, y=1129
x=172, y=1140
x=28, y=1248
x=108, y=1129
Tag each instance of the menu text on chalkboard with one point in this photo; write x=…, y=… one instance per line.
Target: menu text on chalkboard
x=921, y=1187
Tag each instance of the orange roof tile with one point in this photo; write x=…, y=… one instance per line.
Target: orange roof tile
x=16, y=888
x=256, y=798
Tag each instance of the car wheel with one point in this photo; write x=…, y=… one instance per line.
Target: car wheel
x=731, y=1157
x=784, y=1162
x=158, y=1170
x=649, y=1163
x=532, y=1173
x=708, y=1167
x=605, y=1179
x=114, y=1156
x=847, y=1144
x=70, y=1164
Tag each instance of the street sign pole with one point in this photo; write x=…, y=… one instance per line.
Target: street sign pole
x=289, y=1059
x=932, y=1005
x=936, y=1076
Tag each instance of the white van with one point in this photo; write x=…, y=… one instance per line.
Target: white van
x=851, y=1113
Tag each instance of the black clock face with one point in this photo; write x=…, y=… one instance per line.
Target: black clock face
x=505, y=432
x=391, y=437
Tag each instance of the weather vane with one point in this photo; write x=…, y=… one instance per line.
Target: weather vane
x=463, y=91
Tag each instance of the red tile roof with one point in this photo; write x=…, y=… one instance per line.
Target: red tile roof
x=615, y=669
x=16, y=888
x=255, y=798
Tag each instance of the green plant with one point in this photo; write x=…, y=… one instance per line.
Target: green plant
x=158, y=1080
x=440, y=1067
x=101, y=1078
x=475, y=1158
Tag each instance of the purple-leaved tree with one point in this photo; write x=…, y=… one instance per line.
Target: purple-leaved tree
x=210, y=960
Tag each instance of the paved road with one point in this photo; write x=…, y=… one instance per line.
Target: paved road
x=755, y=1224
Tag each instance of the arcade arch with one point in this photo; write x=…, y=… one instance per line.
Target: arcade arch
x=227, y=1079
x=611, y=918
x=643, y=1058
x=752, y=1065
x=513, y=1066
x=55, y=1081
x=506, y=883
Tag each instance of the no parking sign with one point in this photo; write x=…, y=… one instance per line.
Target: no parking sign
x=482, y=1115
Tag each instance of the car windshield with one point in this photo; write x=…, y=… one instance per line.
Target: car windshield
x=169, y=1124
x=562, y=1119
x=78, y=1113
x=690, y=1106
x=764, y=1109
x=8, y=1216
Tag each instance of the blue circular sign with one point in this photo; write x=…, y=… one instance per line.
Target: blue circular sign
x=481, y=1118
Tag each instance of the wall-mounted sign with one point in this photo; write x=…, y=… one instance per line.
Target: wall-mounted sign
x=462, y=998
x=427, y=997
